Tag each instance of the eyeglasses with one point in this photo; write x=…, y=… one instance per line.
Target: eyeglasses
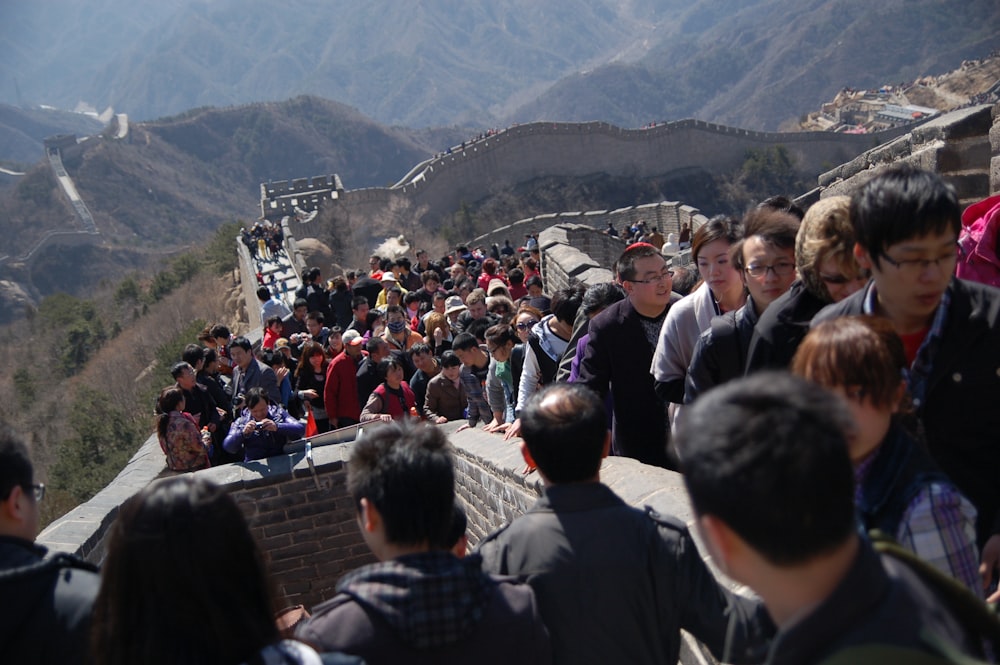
x=780, y=269
x=915, y=267
x=526, y=325
x=663, y=276
x=37, y=490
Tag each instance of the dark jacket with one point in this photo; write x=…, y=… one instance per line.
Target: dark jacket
x=258, y=375
x=721, y=352
x=617, y=360
x=616, y=584
x=45, y=613
x=781, y=328
x=900, y=470
x=430, y=608
x=960, y=417
x=880, y=601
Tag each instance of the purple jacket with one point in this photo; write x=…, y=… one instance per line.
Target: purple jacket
x=262, y=443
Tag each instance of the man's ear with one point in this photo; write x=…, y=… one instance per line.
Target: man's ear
x=862, y=256
x=12, y=510
x=526, y=454
x=722, y=543
x=369, y=516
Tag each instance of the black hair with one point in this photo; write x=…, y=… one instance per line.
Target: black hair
x=600, y=296
x=193, y=354
x=316, y=316
x=478, y=327
x=782, y=204
x=566, y=301
x=449, y=359
x=162, y=618
x=168, y=400
x=404, y=468
x=420, y=347
x=300, y=302
x=564, y=426
x=464, y=341
x=15, y=463
x=625, y=267
x=357, y=301
x=263, y=293
x=220, y=330
x=179, y=367
x=901, y=203
x=459, y=524
x=255, y=395
x=767, y=455
x=243, y=343
x=272, y=320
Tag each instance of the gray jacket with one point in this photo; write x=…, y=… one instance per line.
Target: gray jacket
x=616, y=584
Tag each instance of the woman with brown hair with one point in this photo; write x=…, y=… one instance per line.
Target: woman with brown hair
x=184, y=582
x=900, y=491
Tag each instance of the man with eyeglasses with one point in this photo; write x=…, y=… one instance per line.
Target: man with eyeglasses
x=906, y=223
x=620, y=351
x=47, y=600
x=765, y=260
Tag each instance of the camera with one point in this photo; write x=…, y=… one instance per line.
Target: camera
x=258, y=426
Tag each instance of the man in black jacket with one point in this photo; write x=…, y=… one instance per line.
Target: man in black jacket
x=906, y=222
x=614, y=583
x=45, y=614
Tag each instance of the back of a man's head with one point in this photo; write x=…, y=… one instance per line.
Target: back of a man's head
x=15, y=463
x=903, y=203
x=405, y=470
x=565, y=428
x=767, y=455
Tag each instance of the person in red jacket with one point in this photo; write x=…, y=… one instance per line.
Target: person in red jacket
x=340, y=393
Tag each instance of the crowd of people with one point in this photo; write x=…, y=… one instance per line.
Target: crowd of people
x=824, y=389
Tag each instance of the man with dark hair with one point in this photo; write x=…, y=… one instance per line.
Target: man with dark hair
x=197, y=400
x=766, y=465
x=248, y=372
x=906, y=223
x=368, y=375
x=476, y=309
x=312, y=291
x=339, y=302
x=614, y=583
x=315, y=329
x=359, y=311
x=475, y=370
x=295, y=323
x=420, y=603
x=47, y=600
x=431, y=284
x=427, y=368
x=407, y=279
x=619, y=354
x=270, y=306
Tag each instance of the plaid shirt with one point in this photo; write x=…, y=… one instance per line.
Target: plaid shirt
x=939, y=526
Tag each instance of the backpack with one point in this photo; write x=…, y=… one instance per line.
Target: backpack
x=979, y=618
x=977, y=240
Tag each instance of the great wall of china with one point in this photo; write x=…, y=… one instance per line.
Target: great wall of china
x=300, y=511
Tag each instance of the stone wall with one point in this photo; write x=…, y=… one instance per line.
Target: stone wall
x=436, y=188
x=959, y=145
x=581, y=253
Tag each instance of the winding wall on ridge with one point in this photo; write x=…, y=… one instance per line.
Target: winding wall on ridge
x=437, y=187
